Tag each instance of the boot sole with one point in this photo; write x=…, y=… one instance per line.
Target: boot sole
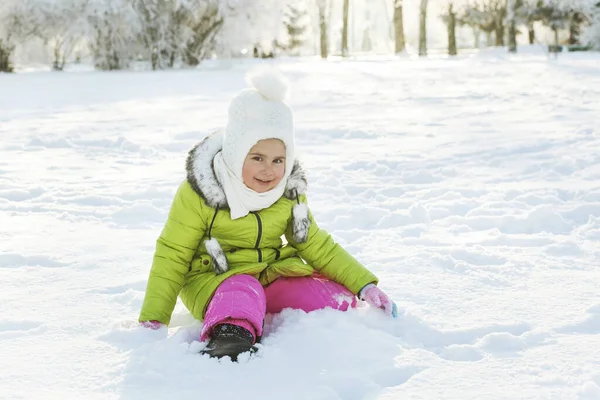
x=232, y=352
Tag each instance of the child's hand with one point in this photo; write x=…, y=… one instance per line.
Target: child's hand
x=154, y=325
x=375, y=297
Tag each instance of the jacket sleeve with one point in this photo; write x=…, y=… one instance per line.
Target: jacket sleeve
x=175, y=249
x=329, y=258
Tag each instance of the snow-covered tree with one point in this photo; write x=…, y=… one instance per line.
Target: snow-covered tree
x=296, y=21
x=252, y=24
x=18, y=23
x=62, y=25
x=155, y=22
x=113, y=30
x=199, y=23
x=174, y=30
x=591, y=32
x=554, y=14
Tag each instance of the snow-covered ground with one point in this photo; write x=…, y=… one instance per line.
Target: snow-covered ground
x=470, y=186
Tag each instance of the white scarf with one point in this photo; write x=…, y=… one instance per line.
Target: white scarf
x=241, y=199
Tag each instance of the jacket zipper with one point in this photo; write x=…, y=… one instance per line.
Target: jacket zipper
x=256, y=246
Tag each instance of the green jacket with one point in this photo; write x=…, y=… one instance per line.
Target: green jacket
x=184, y=266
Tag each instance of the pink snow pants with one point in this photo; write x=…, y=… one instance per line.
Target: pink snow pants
x=241, y=300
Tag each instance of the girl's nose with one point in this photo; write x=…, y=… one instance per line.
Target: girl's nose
x=268, y=170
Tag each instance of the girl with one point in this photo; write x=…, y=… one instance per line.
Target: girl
x=221, y=249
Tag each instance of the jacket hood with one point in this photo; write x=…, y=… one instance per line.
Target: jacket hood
x=202, y=178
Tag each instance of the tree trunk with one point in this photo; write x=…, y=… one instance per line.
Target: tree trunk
x=531, y=33
x=573, y=32
x=512, y=28
x=367, y=45
x=499, y=32
x=476, y=36
x=199, y=46
x=512, y=37
x=423, y=28
x=5, y=52
x=399, y=27
x=345, y=29
x=55, y=63
x=323, y=29
x=154, y=59
x=451, y=31
x=116, y=62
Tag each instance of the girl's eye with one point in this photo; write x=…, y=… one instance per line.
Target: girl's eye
x=278, y=161
x=257, y=158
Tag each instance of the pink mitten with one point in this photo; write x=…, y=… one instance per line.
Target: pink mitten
x=376, y=298
x=154, y=325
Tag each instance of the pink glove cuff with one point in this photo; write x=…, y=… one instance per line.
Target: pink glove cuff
x=361, y=294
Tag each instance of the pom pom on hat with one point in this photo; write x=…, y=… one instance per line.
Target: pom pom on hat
x=270, y=83
x=257, y=113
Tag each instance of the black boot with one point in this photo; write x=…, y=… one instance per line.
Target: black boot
x=229, y=340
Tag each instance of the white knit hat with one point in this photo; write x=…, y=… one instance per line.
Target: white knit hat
x=258, y=113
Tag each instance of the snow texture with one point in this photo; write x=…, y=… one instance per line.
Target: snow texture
x=469, y=186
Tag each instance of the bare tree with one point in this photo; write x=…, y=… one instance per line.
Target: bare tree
x=451, y=23
x=555, y=17
x=400, y=42
x=527, y=14
x=498, y=10
x=512, y=26
x=423, y=28
x=485, y=16
x=471, y=15
x=322, y=7
x=345, y=28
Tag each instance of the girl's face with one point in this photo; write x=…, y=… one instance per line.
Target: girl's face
x=264, y=165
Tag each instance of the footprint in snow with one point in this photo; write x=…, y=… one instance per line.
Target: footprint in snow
x=590, y=325
x=119, y=289
x=414, y=330
x=17, y=329
x=15, y=260
x=469, y=345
